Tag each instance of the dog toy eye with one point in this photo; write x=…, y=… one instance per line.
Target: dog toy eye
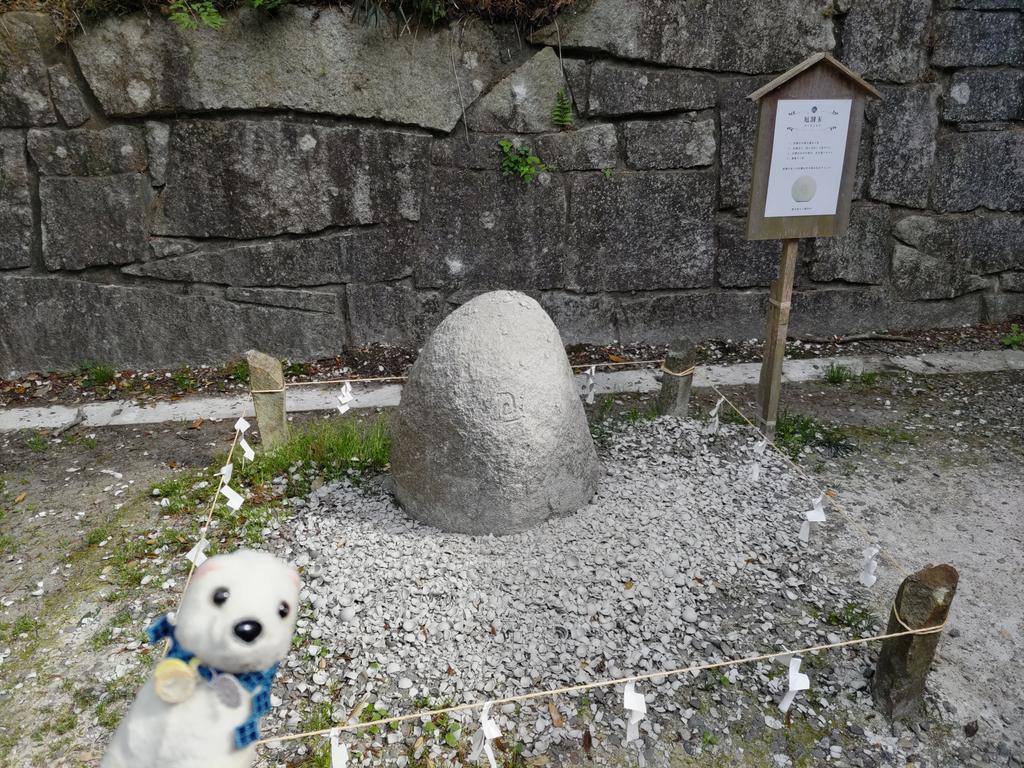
x=220, y=596
x=283, y=610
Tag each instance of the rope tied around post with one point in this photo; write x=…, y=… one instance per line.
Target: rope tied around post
x=688, y=372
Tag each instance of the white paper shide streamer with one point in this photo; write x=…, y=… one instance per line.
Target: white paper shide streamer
x=815, y=516
x=339, y=751
x=345, y=398
x=798, y=681
x=483, y=739
x=713, y=422
x=588, y=385
x=755, y=469
x=197, y=555
x=241, y=425
x=234, y=500
x=636, y=709
x=868, y=567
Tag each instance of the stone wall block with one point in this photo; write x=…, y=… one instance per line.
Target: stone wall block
x=984, y=244
x=158, y=138
x=92, y=221
x=623, y=89
x=637, y=231
x=727, y=35
x=686, y=142
x=862, y=255
x=590, y=148
x=659, y=318
x=832, y=311
x=16, y=232
x=745, y=263
x=917, y=275
x=973, y=39
x=66, y=97
x=979, y=170
x=487, y=231
x=357, y=255
x=57, y=322
x=738, y=117
x=903, y=154
x=983, y=95
x=581, y=318
x=24, y=82
x=315, y=60
x=245, y=179
x=522, y=101
x=1012, y=282
x=887, y=40
x=88, y=152
x=392, y=313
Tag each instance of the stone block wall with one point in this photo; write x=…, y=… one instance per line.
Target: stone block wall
x=299, y=182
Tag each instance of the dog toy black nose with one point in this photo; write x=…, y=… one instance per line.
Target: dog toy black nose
x=248, y=630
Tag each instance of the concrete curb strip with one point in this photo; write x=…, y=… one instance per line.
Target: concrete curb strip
x=301, y=399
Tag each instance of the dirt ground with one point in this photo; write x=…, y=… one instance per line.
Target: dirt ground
x=930, y=466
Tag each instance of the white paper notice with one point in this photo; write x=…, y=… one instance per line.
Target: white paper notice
x=808, y=151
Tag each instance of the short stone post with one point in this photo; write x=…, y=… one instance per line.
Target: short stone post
x=674, y=398
x=922, y=601
x=266, y=381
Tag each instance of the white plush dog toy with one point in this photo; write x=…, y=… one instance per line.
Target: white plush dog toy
x=202, y=705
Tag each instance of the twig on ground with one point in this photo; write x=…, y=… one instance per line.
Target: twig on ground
x=851, y=337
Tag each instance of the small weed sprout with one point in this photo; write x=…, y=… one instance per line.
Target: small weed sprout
x=838, y=374
x=1014, y=339
x=561, y=112
x=97, y=375
x=519, y=161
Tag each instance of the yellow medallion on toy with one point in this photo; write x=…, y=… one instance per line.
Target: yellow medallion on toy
x=174, y=680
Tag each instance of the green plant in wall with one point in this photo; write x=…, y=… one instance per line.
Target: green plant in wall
x=519, y=161
x=192, y=14
x=561, y=113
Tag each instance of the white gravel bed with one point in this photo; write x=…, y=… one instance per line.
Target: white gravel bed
x=680, y=559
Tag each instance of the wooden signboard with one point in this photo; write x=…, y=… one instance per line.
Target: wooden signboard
x=808, y=131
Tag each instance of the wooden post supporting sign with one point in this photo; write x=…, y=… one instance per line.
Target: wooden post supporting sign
x=805, y=158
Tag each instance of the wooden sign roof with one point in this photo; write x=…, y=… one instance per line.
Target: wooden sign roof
x=824, y=58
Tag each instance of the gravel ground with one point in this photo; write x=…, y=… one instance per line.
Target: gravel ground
x=936, y=476
x=680, y=559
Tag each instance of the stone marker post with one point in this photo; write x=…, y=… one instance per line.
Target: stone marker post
x=922, y=601
x=674, y=398
x=266, y=381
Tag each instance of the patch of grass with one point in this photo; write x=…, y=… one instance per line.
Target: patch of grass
x=853, y=615
x=37, y=443
x=7, y=544
x=184, y=380
x=82, y=440
x=1014, y=339
x=239, y=371
x=838, y=374
x=868, y=378
x=327, y=449
x=296, y=369
x=794, y=432
x=97, y=375
x=95, y=536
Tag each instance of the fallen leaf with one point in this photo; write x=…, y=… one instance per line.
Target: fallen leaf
x=556, y=717
x=628, y=585
x=21, y=497
x=197, y=424
x=616, y=358
x=588, y=744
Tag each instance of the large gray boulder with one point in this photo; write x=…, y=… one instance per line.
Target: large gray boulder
x=490, y=436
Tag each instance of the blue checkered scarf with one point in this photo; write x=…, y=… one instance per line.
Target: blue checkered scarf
x=257, y=683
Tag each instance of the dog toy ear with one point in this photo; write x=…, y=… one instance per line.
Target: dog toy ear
x=294, y=576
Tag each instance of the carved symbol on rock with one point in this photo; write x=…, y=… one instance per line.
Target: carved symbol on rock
x=509, y=409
